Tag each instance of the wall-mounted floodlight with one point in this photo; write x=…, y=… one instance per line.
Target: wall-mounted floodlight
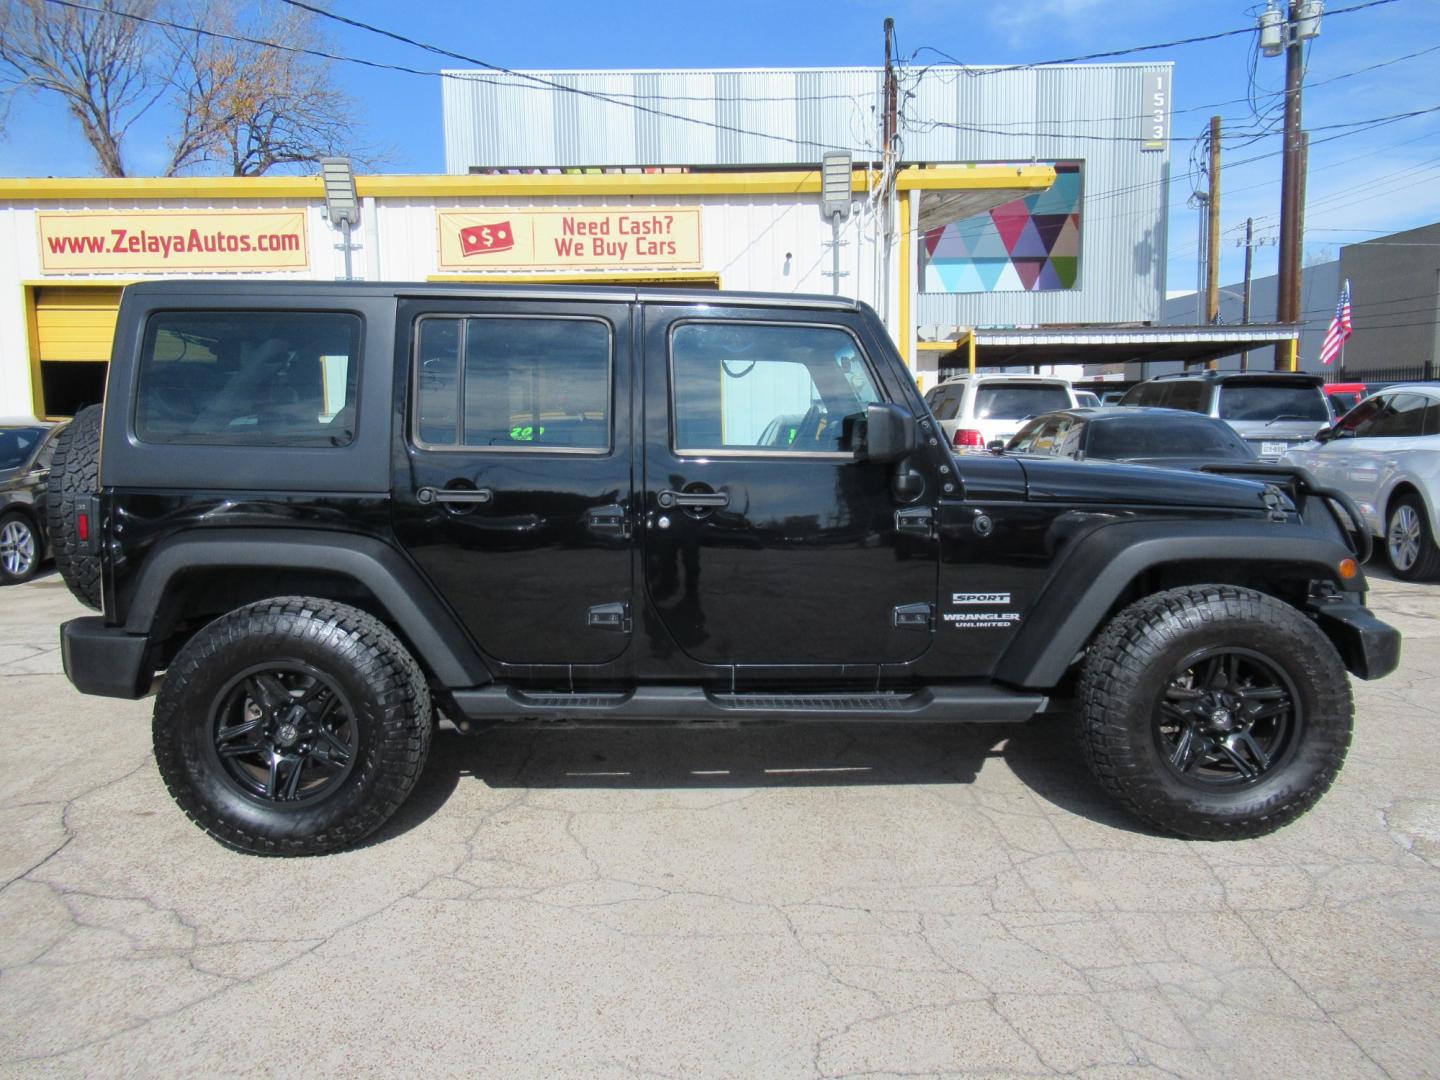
x=342, y=205
x=835, y=194
x=1272, y=31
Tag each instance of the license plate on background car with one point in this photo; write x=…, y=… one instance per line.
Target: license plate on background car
x=1273, y=449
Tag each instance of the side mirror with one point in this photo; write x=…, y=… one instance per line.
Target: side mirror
x=889, y=433
x=1325, y=434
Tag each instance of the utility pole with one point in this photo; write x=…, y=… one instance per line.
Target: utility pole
x=1212, y=215
x=1288, y=33
x=891, y=92
x=1249, y=270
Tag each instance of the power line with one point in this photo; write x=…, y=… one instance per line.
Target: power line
x=975, y=72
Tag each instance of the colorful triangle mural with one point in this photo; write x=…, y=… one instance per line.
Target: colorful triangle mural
x=1030, y=244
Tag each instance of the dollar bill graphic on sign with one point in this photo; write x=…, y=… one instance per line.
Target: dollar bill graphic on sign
x=483, y=239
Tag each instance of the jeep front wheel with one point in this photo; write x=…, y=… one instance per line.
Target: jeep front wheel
x=294, y=726
x=1215, y=712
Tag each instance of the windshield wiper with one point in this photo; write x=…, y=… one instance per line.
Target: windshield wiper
x=1285, y=416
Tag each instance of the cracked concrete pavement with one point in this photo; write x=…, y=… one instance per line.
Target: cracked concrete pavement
x=815, y=901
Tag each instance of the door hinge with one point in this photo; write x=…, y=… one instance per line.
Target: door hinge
x=610, y=617
x=915, y=520
x=609, y=520
x=913, y=616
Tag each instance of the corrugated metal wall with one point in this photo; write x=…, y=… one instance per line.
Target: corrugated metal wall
x=1088, y=113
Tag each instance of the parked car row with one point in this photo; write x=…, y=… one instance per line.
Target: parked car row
x=1378, y=443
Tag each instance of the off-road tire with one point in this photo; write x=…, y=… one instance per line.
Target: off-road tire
x=382, y=681
x=1124, y=678
x=1426, y=566
x=19, y=524
x=75, y=476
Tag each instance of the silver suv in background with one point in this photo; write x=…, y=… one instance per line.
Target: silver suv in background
x=1273, y=411
x=976, y=410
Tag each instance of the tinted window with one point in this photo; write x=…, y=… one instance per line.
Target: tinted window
x=1360, y=417
x=1189, y=396
x=17, y=444
x=513, y=383
x=1165, y=436
x=1401, y=416
x=1252, y=401
x=1144, y=394
x=798, y=389
x=944, y=401
x=1015, y=402
x=259, y=378
x=1432, y=417
x=1050, y=435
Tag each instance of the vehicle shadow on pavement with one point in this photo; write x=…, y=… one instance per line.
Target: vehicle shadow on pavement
x=1043, y=754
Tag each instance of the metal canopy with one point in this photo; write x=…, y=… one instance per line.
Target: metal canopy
x=1106, y=345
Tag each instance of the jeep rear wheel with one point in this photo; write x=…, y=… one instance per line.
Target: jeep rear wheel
x=294, y=726
x=1215, y=712
x=74, y=477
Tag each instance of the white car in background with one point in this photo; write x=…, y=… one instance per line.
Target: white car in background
x=1385, y=454
x=976, y=410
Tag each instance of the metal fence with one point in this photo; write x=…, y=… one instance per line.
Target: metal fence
x=1420, y=372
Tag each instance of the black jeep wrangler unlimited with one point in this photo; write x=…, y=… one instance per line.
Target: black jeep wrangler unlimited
x=333, y=514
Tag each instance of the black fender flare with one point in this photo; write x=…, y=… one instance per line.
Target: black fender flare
x=1085, y=583
x=407, y=597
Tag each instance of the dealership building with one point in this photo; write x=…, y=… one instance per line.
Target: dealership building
x=1018, y=201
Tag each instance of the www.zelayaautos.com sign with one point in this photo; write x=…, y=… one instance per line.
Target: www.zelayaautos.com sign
x=163, y=240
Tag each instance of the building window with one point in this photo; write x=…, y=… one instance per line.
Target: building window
x=1026, y=245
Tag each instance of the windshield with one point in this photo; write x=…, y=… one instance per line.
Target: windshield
x=1262, y=402
x=17, y=444
x=1015, y=402
x=1167, y=437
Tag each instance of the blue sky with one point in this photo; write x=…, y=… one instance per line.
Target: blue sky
x=1360, y=184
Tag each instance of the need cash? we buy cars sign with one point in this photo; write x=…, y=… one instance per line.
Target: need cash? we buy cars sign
x=633, y=238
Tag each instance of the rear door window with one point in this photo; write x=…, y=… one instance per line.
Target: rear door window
x=251, y=378
x=944, y=401
x=1189, y=396
x=512, y=383
x=1017, y=401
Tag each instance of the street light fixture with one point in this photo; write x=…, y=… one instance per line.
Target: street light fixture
x=342, y=202
x=835, y=199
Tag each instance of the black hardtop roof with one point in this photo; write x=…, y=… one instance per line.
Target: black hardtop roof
x=200, y=287
x=1244, y=376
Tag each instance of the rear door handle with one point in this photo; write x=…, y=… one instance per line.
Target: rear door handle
x=469, y=496
x=709, y=500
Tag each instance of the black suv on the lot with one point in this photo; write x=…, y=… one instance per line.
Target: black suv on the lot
x=1273, y=411
x=334, y=514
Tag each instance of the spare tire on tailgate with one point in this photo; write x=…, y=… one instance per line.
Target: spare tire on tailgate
x=74, y=477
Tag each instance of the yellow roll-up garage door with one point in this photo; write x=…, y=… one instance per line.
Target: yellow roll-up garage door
x=74, y=328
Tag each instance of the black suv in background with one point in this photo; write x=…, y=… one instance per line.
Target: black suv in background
x=332, y=513
x=1272, y=411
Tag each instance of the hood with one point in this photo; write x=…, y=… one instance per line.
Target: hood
x=1053, y=480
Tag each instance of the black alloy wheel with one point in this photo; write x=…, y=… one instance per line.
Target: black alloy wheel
x=1228, y=716
x=1214, y=712
x=284, y=734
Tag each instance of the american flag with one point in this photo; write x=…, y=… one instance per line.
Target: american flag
x=1340, y=328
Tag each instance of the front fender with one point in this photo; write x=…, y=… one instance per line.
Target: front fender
x=1100, y=567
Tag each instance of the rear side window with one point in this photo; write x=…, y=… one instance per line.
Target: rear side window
x=251, y=378
x=1168, y=437
x=944, y=401
x=1257, y=401
x=511, y=383
x=1189, y=396
x=1017, y=402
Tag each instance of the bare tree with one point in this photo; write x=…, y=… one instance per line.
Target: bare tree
x=238, y=103
x=248, y=107
x=95, y=60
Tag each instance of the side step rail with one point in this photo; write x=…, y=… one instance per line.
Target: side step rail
x=693, y=705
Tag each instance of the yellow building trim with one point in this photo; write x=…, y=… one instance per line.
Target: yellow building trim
x=523, y=185
x=597, y=277
x=905, y=246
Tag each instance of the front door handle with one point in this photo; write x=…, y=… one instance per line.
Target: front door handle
x=468, y=496
x=708, y=500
